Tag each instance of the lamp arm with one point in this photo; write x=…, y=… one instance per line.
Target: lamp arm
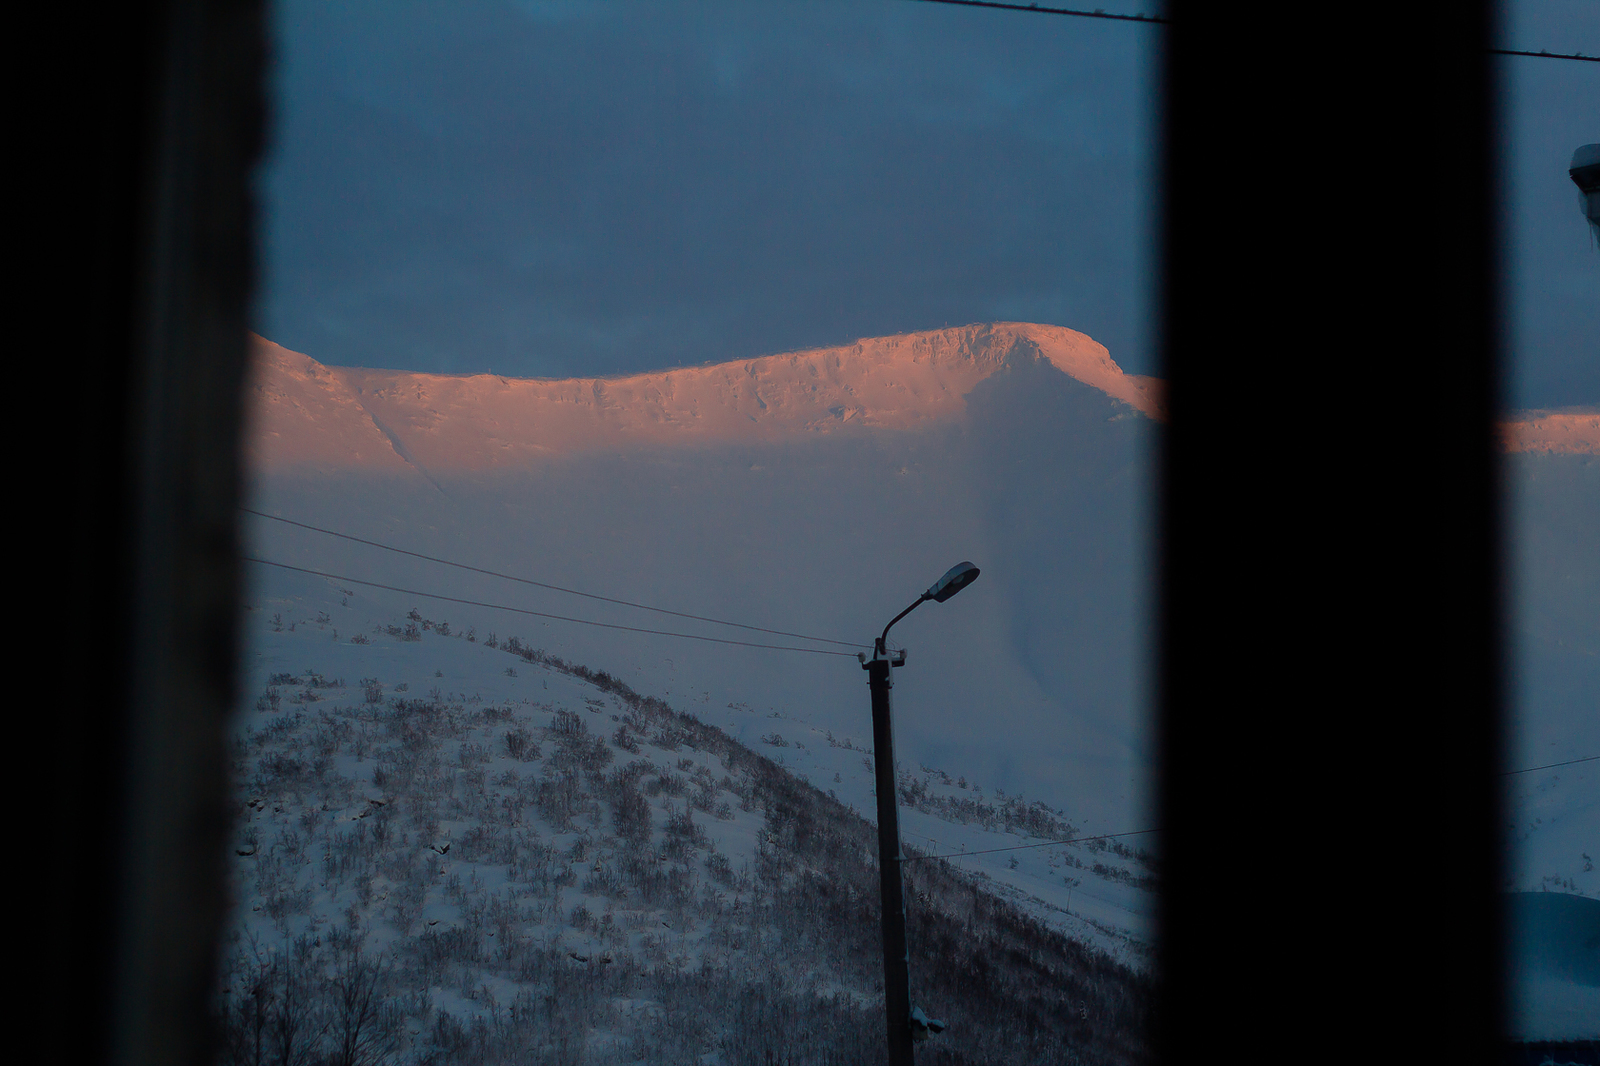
x=883, y=639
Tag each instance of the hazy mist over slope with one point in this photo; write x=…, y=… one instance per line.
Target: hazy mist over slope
x=827, y=526
x=818, y=492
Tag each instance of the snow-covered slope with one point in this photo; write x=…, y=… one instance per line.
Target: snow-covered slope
x=451, y=846
x=818, y=493
x=1555, y=670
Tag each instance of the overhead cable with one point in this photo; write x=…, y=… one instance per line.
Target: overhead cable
x=1159, y=20
x=1546, y=55
x=1097, y=14
x=1037, y=844
x=546, y=585
x=1550, y=765
x=539, y=614
x=1141, y=832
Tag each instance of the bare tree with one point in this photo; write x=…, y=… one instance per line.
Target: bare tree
x=247, y=1021
x=297, y=1022
x=362, y=1031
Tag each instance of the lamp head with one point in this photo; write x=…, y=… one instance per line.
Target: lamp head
x=955, y=579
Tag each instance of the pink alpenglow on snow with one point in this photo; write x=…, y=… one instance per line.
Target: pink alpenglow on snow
x=1567, y=432
x=310, y=416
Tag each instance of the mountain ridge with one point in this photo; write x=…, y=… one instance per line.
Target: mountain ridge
x=1563, y=431
x=310, y=414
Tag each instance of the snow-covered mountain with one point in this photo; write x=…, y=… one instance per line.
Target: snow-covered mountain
x=815, y=493
x=818, y=493
x=343, y=418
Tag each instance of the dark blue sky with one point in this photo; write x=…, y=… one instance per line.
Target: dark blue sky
x=572, y=188
x=1553, y=277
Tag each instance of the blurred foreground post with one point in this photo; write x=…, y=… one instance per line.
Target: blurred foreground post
x=155, y=114
x=1331, y=666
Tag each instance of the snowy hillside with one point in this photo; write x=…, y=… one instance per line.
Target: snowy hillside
x=453, y=847
x=818, y=493
x=1555, y=668
x=802, y=522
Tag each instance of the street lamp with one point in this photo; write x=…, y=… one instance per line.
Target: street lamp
x=896, y=968
x=1585, y=174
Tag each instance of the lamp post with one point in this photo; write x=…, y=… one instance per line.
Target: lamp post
x=1585, y=174
x=896, y=968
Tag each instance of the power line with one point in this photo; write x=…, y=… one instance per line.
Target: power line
x=1024, y=847
x=686, y=636
x=681, y=614
x=540, y=614
x=718, y=640
x=545, y=585
x=1546, y=55
x=1096, y=14
x=1547, y=766
x=1141, y=832
x=1158, y=20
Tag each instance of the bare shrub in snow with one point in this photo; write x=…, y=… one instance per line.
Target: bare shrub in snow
x=718, y=958
x=684, y=835
x=624, y=739
x=630, y=813
x=720, y=869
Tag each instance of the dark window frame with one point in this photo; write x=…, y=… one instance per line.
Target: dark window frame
x=1331, y=643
